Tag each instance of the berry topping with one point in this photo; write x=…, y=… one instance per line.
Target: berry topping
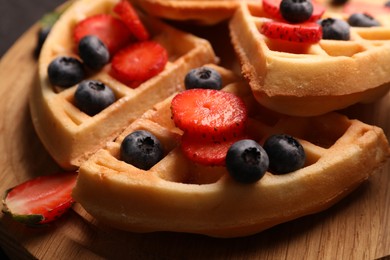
x=246, y=161
x=42, y=35
x=304, y=32
x=139, y=62
x=204, y=151
x=93, y=52
x=141, y=149
x=65, y=71
x=335, y=29
x=203, y=77
x=273, y=9
x=285, y=154
x=296, y=11
x=362, y=20
x=110, y=30
x=92, y=96
x=211, y=114
x=130, y=18
x=40, y=200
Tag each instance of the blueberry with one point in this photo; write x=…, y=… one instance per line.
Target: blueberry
x=296, y=11
x=93, y=52
x=141, y=149
x=387, y=4
x=93, y=96
x=335, y=29
x=285, y=154
x=338, y=2
x=65, y=71
x=203, y=77
x=246, y=161
x=362, y=20
x=42, y=35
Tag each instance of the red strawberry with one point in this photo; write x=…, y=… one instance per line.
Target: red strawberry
x=129, y=16
x=40, y=200
x=271, y=7
x=139, y=62
x=110, y=30
x=206, y=152
x=303, y=32
x=209, y=114
x=368, y=8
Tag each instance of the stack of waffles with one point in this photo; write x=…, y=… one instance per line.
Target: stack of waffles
x=286, y=89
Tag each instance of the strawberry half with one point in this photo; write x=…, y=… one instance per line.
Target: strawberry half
x=206, y=152
x=271, y=7
x=110, y=30
x=209, y=114
x=40, y=200
x=138, y=62
x=130, y=17
x=304, y=32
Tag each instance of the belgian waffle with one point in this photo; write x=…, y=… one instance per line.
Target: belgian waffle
x=303, y=80
x=70, y=135
x=179, y=195
x=204, y=12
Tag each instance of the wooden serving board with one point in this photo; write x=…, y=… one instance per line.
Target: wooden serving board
x=356, y=228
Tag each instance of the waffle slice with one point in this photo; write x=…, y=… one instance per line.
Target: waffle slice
x=70, y=135
x=206, y=12
x=179, y=195
x=303, y=80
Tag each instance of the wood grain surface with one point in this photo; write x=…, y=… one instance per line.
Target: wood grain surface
x=356, y=228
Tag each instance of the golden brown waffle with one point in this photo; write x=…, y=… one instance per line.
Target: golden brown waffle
x=303, y=80
x=179, y=195
x=205, y=12
x=70, y=135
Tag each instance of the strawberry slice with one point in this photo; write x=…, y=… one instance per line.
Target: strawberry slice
x=367, y=8
x=138, y=62
x=304, y=32
x=110, y=30
x=271, y=7
x=40, y=200
x=206, y=152
x=209, y=114
x=130, y=17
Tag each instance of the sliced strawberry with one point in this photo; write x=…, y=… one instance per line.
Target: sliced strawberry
x=204, y=151
x=40, y=200
x=110, y=30
x=368, y=8
x=130, y=17
x=138, y=62
x=209, y=114
x=303, y=32
x=271, y=7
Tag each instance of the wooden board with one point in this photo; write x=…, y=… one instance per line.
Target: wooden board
x=356, y=228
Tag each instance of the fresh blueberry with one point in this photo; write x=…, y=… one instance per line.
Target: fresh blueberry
x=362, y=20
x=93, y=52
x=65, y=71
x=141, y=149
x=285, y=154
x=335, y=29
x=387, y=4
x=203, y=77
x=93, y=96
x=338, y=2
x=42, y=35
x=246, y=161
x=296, y=11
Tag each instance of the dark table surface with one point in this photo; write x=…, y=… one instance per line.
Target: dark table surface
x=17, y=16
